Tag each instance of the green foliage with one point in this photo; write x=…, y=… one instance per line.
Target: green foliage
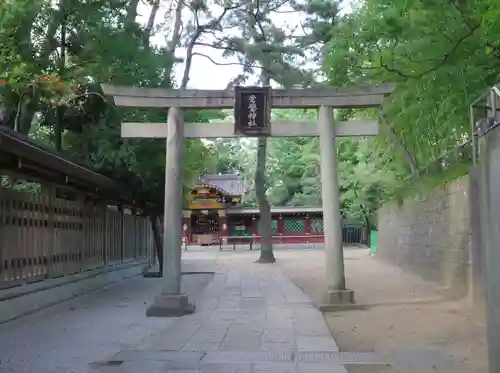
x=441, y=55
x=101, y=42
x=440, y=171
x=293, y=170
x=19, y=186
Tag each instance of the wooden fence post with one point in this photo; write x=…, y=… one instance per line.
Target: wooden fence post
x=122, y=233
x=3, y=236
x=50, y=196
x=105, y=249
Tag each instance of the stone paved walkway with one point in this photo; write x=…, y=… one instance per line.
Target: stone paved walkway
x=67, y=337
x=250, y=319
x=247, y=321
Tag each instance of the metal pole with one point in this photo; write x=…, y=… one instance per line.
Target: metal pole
x=474, y=134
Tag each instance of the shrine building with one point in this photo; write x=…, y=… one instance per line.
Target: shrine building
x=214, y=211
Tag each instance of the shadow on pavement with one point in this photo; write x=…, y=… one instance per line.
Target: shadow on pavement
x=70, y=335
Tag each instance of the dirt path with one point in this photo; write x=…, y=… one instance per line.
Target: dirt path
x=405, y=310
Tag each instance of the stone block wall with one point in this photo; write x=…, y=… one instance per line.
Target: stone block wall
x=431, y=235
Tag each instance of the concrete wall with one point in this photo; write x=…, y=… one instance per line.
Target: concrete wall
x=432, y=235
x=489, y=187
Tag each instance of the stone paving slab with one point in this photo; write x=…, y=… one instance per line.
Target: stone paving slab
x=201, y=358
x=260, y=367
x=180, y=358
x=372, y=358
x=248, y=356
x=262, y=362
x=253, y=321
x=316, y=343
x=250, y=310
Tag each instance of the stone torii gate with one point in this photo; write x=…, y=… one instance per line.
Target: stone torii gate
x=171, y=302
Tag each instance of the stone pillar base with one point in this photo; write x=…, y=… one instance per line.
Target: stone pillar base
x=339, y=297
x=340, y=300
x=169, y=305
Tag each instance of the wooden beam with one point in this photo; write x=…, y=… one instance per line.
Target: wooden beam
x=278, y=129
x=353, y=97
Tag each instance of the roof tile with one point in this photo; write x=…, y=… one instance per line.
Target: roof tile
x=232, y=184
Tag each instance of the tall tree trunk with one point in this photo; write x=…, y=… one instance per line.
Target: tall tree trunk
x=265, y=230
x=18, y=110
x=61, y=70
x=189, y=60
x=28, y=103
x=129, y=23
x=174, y=43
x=265, y=222
x=25, y=113
x=151, y=22
x=59, y=128
x=155, y=226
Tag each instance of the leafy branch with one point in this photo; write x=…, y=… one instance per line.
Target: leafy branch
x=446, y=57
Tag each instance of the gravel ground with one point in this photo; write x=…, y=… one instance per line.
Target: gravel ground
x=404, y=310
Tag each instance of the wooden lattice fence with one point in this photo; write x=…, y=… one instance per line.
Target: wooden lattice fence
x=43, y=236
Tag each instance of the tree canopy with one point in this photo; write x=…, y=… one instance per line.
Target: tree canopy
x=440, y=54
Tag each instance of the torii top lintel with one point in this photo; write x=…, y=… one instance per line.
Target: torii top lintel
x=338, y=97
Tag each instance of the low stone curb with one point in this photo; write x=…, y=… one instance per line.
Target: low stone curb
x=25, y=299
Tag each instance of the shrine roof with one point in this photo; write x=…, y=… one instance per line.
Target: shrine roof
x=21, y=154
x=231, y=184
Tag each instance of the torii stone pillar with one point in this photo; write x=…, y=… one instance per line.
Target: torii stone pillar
x=171, y=302
x=336, y=292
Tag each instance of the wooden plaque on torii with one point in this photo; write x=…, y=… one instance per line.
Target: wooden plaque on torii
x=252, y=111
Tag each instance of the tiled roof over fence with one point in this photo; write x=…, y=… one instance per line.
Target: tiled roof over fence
x=233, y=185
